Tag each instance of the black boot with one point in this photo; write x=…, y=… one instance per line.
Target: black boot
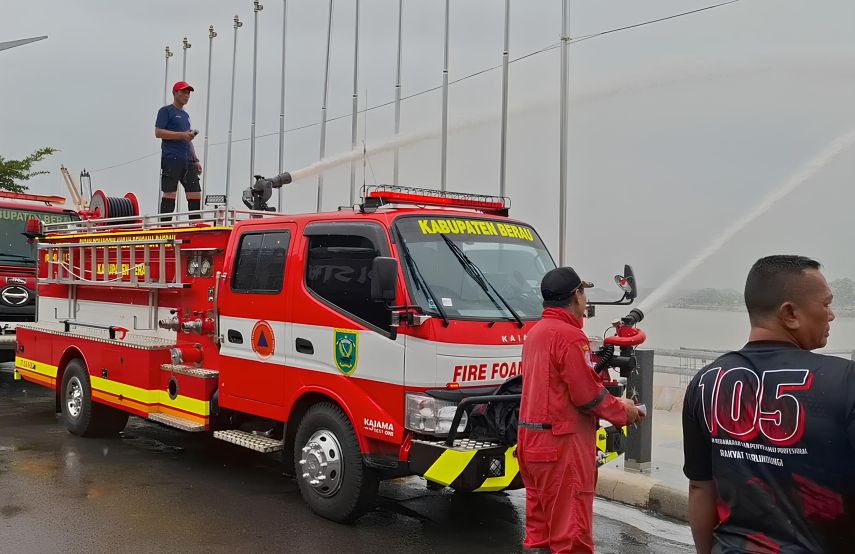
x=194, y=206
x=167, y=206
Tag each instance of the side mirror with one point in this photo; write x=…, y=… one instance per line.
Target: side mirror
x=626, y=282
x=384, y=284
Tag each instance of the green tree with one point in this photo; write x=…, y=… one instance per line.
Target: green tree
x=14, y=172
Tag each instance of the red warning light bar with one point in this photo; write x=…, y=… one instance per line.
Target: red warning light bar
x=377, y=196
x=47, y=199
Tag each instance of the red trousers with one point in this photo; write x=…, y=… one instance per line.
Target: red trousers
x=559, y=473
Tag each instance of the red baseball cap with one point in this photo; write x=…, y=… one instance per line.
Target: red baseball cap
x=181, y=85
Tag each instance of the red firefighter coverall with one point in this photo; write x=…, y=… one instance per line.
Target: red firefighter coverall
x=562, y=391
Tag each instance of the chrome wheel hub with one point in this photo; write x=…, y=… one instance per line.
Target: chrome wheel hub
x=74, y=397
x=320, y=462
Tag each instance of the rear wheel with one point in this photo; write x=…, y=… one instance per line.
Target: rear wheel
x=82, y=416
x=332, y=477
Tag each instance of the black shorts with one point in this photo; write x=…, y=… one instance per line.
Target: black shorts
x=173, y=170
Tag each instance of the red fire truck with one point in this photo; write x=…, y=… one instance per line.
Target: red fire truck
x=356, y=341
x=17, y=259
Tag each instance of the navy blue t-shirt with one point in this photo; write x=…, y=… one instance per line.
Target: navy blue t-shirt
x=171, y=118
x=774, y=426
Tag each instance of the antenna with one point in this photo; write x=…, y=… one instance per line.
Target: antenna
x=364, y=138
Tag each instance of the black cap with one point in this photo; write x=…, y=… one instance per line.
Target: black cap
x=559, y=284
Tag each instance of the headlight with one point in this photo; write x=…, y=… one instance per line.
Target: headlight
x=431, y=416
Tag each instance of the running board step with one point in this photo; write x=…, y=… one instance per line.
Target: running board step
x=177, y=422
x=259, y=443
x=191, y=371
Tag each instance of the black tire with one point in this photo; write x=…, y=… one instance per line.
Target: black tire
x=82, y=416
x=346, y=494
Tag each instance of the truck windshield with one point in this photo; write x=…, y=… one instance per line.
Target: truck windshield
x=510, y=260
x=14, y=246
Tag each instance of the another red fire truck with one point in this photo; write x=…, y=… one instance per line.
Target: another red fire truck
x=347, y=340
x=18, y=259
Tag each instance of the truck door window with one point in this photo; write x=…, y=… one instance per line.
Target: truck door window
x=260, y=265
x=339, y=271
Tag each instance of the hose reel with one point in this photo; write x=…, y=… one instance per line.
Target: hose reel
x=112, y=207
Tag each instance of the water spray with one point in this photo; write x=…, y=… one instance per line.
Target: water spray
x=802, y=176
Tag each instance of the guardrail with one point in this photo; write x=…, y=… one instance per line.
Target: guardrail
x=690, y=360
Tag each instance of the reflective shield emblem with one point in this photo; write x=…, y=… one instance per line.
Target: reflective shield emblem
x=346, y=345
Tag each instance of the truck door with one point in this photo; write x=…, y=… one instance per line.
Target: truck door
x=252, y=304
x=339, y=330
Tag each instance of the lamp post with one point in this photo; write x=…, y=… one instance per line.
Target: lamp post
x=282, y=104
x=395, y=165
x=211, y=34
x=324, y=109
x=504, y=142
x=443, y=163
x=167, y=53
x=237, y=25
x=353, y=118
x=185, y=45
x=257, y=7
x=564, y=116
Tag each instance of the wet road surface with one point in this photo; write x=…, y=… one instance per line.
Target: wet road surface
x=161, y=490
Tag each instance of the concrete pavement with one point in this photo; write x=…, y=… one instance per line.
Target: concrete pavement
x=665, y=489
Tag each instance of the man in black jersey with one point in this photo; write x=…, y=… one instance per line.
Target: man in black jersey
x=769, y=430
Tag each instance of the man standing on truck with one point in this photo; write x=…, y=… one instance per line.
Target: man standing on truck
x=563, y=399
x=178, y=161
x=769, y=430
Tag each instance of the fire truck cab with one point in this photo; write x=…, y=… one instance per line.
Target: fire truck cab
x=346, y=340
x=18, y=259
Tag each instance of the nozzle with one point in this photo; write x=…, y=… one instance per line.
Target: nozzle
x=273, y=182
x=633, y=317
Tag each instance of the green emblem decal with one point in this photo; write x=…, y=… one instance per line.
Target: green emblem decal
x=346, y=346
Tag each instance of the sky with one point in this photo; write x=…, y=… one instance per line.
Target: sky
x=677, y=129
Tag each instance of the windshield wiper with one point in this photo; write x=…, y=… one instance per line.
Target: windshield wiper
x=420, y=281
x=478, y=276
x=18, y=257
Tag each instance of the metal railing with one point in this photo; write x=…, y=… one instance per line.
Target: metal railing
x=219, y=217
x=688, y=361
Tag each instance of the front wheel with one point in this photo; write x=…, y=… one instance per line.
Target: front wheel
x=332, y=477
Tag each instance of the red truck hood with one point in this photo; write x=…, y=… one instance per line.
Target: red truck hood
x=18, y=275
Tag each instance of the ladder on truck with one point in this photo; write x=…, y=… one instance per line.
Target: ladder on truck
x=77, y=263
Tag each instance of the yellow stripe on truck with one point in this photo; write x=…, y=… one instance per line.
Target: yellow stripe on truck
x=512, y=467
x=192, y=405
x=144, y=396
x=449, y=465
x=33, y=366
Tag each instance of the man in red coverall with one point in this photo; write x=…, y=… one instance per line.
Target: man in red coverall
x=562, y=400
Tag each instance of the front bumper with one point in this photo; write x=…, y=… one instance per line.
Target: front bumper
x=611, y=443
x=468, y=465
x=482, y=466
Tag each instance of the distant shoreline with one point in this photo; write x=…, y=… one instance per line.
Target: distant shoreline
x=839, y=312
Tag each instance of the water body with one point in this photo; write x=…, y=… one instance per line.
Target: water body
x=675, y=328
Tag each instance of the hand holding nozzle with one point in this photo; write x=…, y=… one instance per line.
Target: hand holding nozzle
x=635, y=413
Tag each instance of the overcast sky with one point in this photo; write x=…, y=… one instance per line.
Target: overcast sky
x=677, y=129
